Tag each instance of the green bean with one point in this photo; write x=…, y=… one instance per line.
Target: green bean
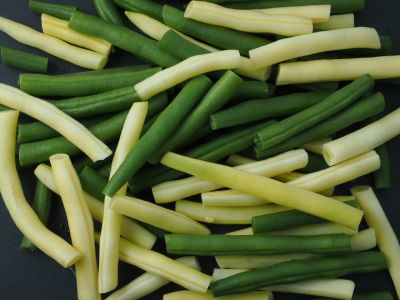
x=107, y=11
x=315, y=163
x=24, y=60
x=41, y=205
x=162, y=128
x=337, y=6
x=252, y=89
x=221, y=37
x=85, y=161
x=326, y=86
x=106, y=102
x=369, y=296
x=146, y=7
x=287, y=128
x=220, y=244
x=92, y=182
x=122, y=37
x=259, y=109
x=105, y=170
x=4, y=108
x=62, y=11
x=106, y=131
x=37, y=131
x=214, y=150
x=357, y=112
x=216, y=97
x=82, y=85
x=297, y=270
x=382, y=177
x=285, y=220
x=119, y=70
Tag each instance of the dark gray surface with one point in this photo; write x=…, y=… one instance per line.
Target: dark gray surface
x=26, y=275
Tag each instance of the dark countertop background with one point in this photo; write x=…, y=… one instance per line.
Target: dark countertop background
x=26, y=275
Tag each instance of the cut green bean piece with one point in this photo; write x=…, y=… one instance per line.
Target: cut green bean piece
x=122, y=37
x=80, y=85
x=62, y=11
x=106, y=131
x=80, y=164
x=252, y=89
x=357, y=112
x=319, y=86
x=337, y=6
x=221, y=37
x=150, y=8
x=41, y=205
x=297, y=270
x=216, y=97
x=24, y=60
x=213, y=151
x=285, y=220
x=106, y=102
x=92, y=182
x=161, y=129
x=119, y=70
x=105, y=170
x=382, y=177
x=107, y=11
x=255, y=110
x=211, y=245
x=287, y=128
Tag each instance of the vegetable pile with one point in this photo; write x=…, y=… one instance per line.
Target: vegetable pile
x=247, y=114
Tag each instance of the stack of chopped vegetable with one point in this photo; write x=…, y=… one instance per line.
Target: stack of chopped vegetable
x=247, y=114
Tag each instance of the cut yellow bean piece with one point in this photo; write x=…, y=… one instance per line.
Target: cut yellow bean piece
x=235, y=198
x=247, y=20
x=332, y=288
x=163, y=266
x=191, y=67
x=268, y=189
x=178, y=189
x=13, y=196
x=148, y=283
x=317, y=13
x=336, y=22
x=386, y=237
x=58, y=28
x=379, y=67
x=75, y=55
x=156, y=215
x=112, y=221
x=156, y=30
x=237, y=159
x=364, y=240
x=130, y=230
x=80, y=225
x=53, y=117
x=342, y=172
x=185, y=295
x=224, y=215
x=363, y=140
x=307, y=44
x=316, y=145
